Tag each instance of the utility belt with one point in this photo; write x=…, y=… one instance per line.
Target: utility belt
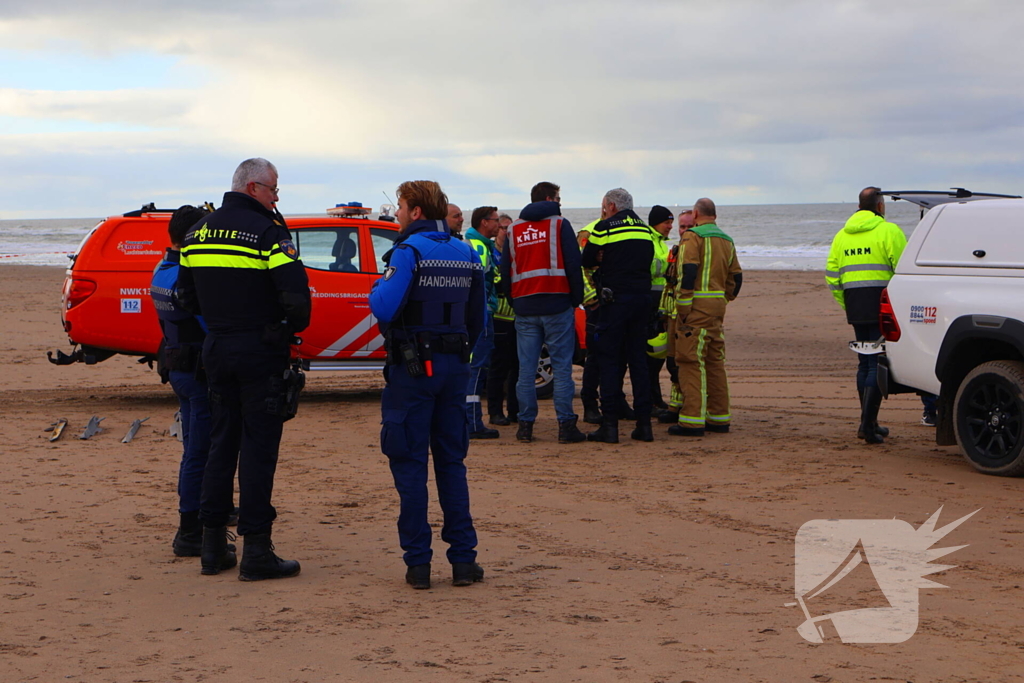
x=416, y=350
x=283, y=396
x=184, y=358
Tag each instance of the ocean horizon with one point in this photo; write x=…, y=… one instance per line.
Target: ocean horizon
x=767, y=236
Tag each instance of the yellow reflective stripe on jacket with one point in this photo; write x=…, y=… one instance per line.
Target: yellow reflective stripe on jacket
x=505, y=310
x=631, y=229
x=228, y=256
x=278, y=258
x=221, y=260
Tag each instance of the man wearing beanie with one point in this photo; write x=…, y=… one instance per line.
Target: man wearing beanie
x=661, y=220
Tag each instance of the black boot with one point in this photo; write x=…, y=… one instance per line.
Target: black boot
x=188, y=541
x=591, y=414
x=259, y=561
x=525, y=431
x=569, y=433
x=869, y=415
x=419, y=576
x=643, y=431
x=879, y=429
x=668, y=417
x=216, y=555
x=608, y=432
x=466, y=573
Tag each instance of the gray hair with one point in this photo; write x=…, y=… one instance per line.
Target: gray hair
x=251, y=171
x=622, y=200
x=505, y=215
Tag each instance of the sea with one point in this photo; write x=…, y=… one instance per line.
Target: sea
x=767, y=236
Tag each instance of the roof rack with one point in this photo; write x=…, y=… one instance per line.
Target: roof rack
x=927, y=199
x=151, y=208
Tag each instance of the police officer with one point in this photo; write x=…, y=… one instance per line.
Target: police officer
x=179, y=364
x=241, y=271
x=430, y=304
x=621, y=248
x=861, y=261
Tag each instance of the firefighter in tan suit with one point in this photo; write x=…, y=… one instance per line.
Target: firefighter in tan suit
x=709, y=278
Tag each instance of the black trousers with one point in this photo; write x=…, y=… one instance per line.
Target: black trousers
x=245, y=378
x=504, y=370
x=621, y=340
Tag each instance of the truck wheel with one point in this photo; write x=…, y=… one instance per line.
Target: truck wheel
x=988, y=416
x=545, y=381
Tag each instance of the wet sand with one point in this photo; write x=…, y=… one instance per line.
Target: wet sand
x=669, y=561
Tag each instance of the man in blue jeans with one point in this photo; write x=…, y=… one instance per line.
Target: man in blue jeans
x=541, y=274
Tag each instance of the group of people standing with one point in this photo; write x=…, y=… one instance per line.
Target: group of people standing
x=538, y=271
x=463, y=316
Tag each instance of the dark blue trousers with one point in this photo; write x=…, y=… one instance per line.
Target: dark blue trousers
x=479, y=367
x=621, y=340
x=244, y=375
x=422, y=415
x=194, y=405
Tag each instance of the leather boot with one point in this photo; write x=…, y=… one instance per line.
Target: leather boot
x=591, y=414
x=568, y=432
x=525, y=431
x=215, y=555
x=869, y=415
x=608, y=432
x=188, y=541
x=643, y=431
x=466, y=573
x=259, y=561
x=879, y=429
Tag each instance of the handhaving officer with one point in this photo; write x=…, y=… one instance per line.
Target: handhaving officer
x=430, y=304
x=179, y=363
x=621, y=248
x=241, y=271
x=861, y=261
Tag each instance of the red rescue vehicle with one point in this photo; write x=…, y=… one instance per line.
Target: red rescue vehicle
x=106, y=308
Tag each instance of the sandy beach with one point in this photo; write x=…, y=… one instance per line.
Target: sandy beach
x=669, y=561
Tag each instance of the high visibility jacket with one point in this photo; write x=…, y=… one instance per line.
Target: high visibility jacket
x=659, y=266
x=711, y=273
x=489, y=259
x=861, y=262
x=537, y=265
x=241, y=271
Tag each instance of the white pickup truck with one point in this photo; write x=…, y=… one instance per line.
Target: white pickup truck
x=953, y=321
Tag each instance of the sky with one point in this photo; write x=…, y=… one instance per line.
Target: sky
x=107, y=105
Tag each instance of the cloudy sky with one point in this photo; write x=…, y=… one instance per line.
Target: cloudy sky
x=106, y=105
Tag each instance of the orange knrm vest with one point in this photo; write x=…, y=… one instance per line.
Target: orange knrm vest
x=537, y=266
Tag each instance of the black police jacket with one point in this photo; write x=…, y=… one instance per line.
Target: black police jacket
x=241, y=271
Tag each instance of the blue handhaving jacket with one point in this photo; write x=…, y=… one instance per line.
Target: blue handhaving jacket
x=432, y=283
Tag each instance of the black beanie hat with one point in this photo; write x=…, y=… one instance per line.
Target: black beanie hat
x=659, y=214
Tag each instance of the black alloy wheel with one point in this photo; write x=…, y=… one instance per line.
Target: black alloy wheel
x=989, y=417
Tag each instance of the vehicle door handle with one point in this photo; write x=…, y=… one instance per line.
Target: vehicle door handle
x=980, y=253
